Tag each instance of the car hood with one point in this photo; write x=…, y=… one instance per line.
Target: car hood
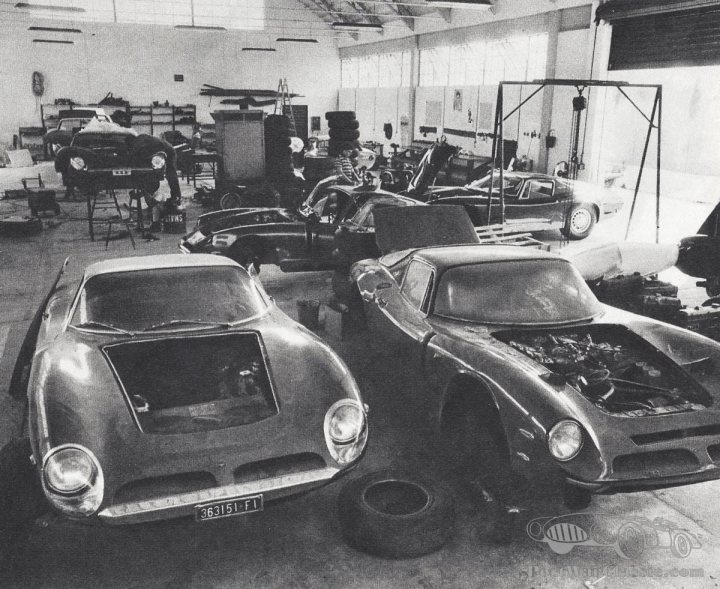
x=437, y=192
x=228, y=218
x=430, y=164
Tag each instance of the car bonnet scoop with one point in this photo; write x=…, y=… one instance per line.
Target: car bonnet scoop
x=401, y=228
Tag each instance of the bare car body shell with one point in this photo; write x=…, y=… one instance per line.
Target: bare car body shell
x=78, y=395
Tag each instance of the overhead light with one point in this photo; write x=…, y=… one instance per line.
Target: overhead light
x=200, y=27
x=54, y=29
x=259, y=49
x=475, y=4
x=356, y=26
x=295, y=40
x=28, y=6
x=60, y=41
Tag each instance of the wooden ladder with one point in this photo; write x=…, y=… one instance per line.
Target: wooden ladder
x=283, y=104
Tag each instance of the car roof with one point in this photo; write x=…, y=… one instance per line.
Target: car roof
x=135, y=263
x=460, y=255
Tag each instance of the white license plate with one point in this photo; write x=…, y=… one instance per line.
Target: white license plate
x=122, y=172
x=228, y=508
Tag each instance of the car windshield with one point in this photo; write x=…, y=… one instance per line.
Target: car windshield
x=167, y=297
x=512, y=185
x=365, y=216
x=69, y=124
x=515, y=292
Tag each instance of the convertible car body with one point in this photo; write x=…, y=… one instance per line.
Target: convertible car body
x=533, y=202
x=606, y=400
x=70, y=122
x=298, y=240
x=166, y=386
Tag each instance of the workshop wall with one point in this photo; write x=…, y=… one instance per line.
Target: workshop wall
x=138, y=62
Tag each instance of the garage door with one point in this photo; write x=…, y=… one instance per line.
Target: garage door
x=662, y=33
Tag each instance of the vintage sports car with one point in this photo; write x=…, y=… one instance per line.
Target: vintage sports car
x=70, y=122
x=528, y=373
x=106, y=155
x=534, y=202
x=166, y=386
x=630, y=537
x=295, y=240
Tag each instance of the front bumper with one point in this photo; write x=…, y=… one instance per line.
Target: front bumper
x=184, y=504
x=132, y=177
x=645, y=484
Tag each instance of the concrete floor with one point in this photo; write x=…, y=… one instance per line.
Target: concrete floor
x=297, y=544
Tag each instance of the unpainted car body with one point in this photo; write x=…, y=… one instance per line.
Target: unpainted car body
x=176, y=386
x=70, y=122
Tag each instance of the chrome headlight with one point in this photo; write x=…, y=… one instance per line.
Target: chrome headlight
x=565, y=440
x=158, y=161
x=78, y=163
x=346, y=430
x=73, y=480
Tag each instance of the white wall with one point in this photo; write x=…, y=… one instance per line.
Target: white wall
x=137, y=62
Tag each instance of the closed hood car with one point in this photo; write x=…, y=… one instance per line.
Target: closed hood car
x=517, y=351
x=167, y=386
x=71, y=122
x=295, y=240
x=533, y=202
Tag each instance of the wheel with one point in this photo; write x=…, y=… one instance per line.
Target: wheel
x=337, y=115
x=394, y=515
x=343, y=124
x=576, y=498
x=21, y=499
x=579, y=222
x=631, y=541
x=344, y=134
x=681, y=546
x=230, y=200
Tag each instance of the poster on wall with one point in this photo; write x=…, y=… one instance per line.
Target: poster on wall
x=457, y=100
x=433, y=113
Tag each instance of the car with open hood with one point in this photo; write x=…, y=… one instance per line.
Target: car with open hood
x=295, y=240
x=533, y=202
x=527, y=372
x=168, y=386
x=70, y=122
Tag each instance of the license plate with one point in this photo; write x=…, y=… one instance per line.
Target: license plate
x=195, y=238
x=228, y=508
x=122, y=172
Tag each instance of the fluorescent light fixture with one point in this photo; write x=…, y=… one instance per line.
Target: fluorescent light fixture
x=357, y=26
x=50, y=7
x=200, y=28
x=54, y=29
x=474, y=4
x=295, y=40
x=60, y=41
x=259, y=49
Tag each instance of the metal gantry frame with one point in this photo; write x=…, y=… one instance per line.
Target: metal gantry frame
x=498, y=153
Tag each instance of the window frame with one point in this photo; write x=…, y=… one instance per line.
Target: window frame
x=424, y=307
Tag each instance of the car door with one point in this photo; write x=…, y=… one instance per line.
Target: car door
x=535, y=207
x=331, y=206
x=397, y=312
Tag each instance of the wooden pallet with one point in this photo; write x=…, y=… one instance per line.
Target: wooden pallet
x=500, y=234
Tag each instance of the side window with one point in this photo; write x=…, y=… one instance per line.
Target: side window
x=538, y=190
x=417, y=283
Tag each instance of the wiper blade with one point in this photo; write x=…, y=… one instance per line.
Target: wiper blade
x=186, y=322
x=101, y=325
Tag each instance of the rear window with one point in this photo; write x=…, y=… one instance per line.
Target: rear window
x=142, y=299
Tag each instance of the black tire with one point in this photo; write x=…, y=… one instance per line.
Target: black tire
x=344, y=134
x=337, y=115
x=394, y=515
x=230, y=200
x=576, y=498
x=21, y=500
x=343, y=124
x=580, y=222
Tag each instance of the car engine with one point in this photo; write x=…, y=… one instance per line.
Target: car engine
x=612, y=367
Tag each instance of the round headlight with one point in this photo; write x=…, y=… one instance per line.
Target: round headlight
x=565, y=440
x=69, y=471
x=346, y=423
x=158, y=161
x=78, y=163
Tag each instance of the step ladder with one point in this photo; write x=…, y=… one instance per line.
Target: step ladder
x=283, y=104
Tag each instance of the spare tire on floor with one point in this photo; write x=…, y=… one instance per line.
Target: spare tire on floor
x=395, y=515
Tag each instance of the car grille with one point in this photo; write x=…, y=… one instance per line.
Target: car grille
x=663, y=462
x=275, y=467
x=156, y=487
x=677, y=434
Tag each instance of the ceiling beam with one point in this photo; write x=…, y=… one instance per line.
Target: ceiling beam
x=371, y=18
x=400, y=10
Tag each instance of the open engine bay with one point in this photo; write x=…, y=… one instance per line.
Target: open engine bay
x=613, y=368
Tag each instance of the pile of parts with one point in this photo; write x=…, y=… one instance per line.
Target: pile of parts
x=612, y=367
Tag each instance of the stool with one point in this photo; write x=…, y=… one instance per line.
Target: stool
x=110, y=222
x=93, y=204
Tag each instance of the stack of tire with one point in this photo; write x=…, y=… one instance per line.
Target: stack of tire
x=278, y=163
x=344, y=131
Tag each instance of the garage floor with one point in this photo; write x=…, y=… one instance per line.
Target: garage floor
x=297, y=544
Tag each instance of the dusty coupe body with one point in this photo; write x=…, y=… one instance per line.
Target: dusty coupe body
x=166, y=386
x=514, y=345
x=70, y=122
x=534, y=202
x=301, y=240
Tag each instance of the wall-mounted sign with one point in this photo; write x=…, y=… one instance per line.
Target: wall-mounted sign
x=179, y=78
